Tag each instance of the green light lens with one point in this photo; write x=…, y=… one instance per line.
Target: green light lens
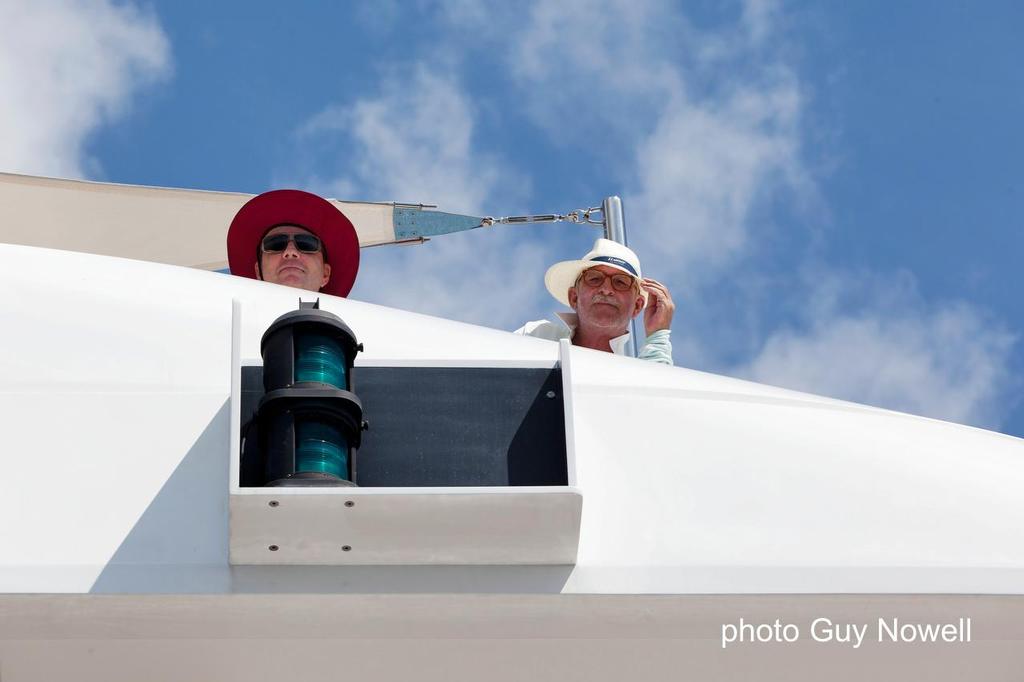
x=320, y=448
x=320, y=358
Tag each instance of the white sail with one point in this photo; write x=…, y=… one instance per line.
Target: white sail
x=175, y=226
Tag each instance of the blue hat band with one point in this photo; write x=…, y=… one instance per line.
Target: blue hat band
x=612, y=260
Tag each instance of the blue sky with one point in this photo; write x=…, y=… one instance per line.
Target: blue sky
x=832, y=191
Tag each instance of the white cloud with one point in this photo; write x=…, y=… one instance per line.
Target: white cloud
x=759, y=18
x=700, y=126
x=702, y=173
x=630, y=81
x=486, y=277
x=947, y=361
x=703, y=128
x=65, y=69
x=416, y=142
x=709, y=124
x=599, y=69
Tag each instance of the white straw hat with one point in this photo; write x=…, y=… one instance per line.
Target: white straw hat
x=560, y=277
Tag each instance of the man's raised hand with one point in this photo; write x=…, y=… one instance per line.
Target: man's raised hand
x=659, y=310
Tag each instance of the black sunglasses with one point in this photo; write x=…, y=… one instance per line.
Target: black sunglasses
x=306, y=243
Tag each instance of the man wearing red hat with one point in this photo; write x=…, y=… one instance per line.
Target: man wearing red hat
x=295, y=239
x=606, y=290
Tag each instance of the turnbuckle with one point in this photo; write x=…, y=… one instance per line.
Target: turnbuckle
x=583, y=216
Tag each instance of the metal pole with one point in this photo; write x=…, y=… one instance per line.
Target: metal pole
x=615, y=230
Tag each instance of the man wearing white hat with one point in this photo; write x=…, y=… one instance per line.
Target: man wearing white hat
x=606, y=290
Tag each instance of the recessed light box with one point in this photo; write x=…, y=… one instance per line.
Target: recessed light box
x=460, y=465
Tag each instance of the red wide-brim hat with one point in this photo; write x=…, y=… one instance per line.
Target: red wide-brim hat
x=295, y=207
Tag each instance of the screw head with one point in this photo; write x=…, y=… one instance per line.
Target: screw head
x=349, y=503
x=273, y=548
x=273, y=503
x=346, y=548
x=550, y=394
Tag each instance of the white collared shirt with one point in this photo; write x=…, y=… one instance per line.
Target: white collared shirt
x=658, y=347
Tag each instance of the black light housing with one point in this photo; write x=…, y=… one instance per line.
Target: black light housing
x=310, y=422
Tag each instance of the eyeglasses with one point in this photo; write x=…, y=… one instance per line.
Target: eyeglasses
x=594, y=278
x=306, y=243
